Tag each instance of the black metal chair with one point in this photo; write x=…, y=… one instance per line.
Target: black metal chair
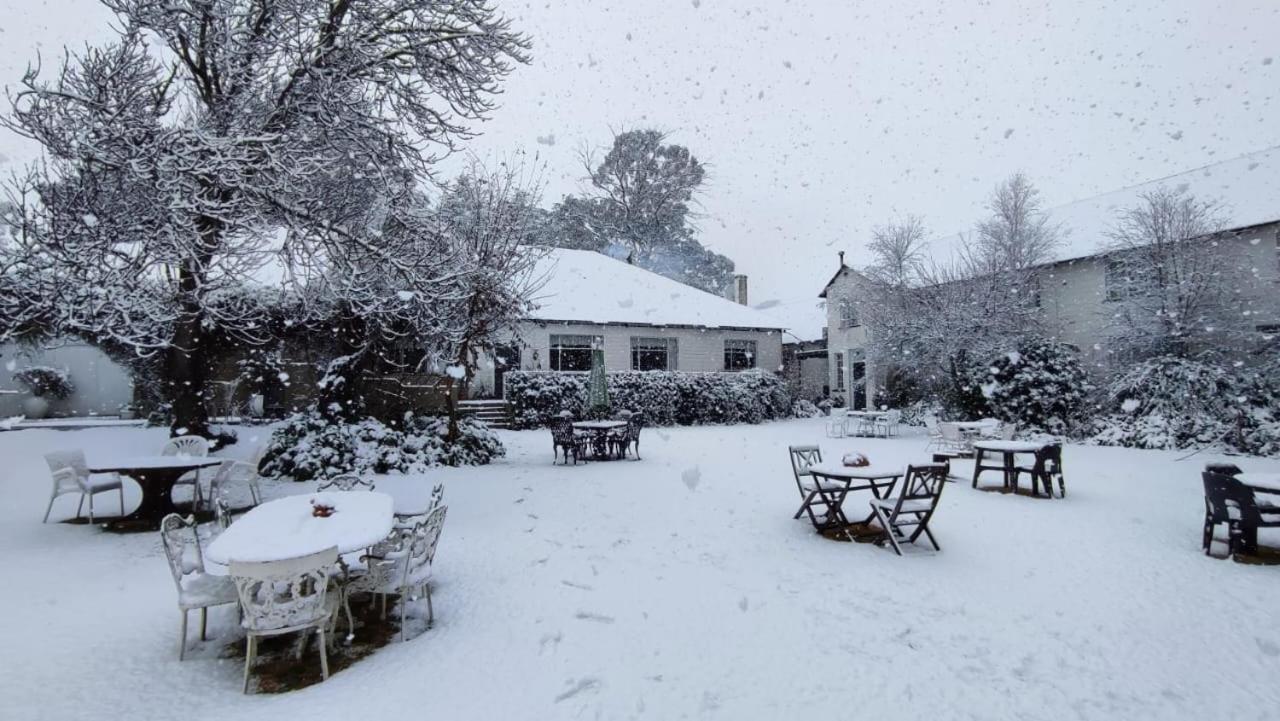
x=1229, y=501
x=629, y=438
x=565, y=440
x=1047, y=466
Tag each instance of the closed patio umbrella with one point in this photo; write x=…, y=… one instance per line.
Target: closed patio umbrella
x=597, y=387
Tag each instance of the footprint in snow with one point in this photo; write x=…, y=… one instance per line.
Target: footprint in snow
x=584, y=616
x=691, y=477
x=552, y=639
x=1268, y=647
x=579, y=586
x=743, y=604
x=575, y=688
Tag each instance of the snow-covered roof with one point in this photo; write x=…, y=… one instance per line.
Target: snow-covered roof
x=1247, y=189
x=589, y=287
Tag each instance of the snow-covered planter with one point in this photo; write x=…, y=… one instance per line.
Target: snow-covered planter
x=309, y=445
x=664, y=397
x=1041, y=385
x=45, y=381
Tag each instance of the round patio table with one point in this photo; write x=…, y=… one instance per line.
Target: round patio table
x=156, y=475
x=1008, y=450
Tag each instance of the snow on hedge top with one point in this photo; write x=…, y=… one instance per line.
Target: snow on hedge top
x=589, y=287
x=1247, y=189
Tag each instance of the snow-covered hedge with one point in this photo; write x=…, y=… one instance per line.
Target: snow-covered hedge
x=664, y=397
x=805, y=409
x=1041, y=385
x=307, y=445
x=1170, y=402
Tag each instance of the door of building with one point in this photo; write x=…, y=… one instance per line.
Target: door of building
x=505, y=358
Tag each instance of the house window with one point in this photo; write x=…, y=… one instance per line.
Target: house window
x=1126, y=279
x=848, y=314
x=739, y=355
x=653, y=354
x=573, y=352
x=839, y=371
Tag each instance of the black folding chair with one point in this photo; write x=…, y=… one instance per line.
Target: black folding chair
x=905, y=516
x=1047, y=466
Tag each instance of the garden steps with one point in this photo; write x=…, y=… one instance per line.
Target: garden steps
x=496, y=413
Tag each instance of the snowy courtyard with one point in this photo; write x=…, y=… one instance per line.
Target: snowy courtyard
x=678, y=586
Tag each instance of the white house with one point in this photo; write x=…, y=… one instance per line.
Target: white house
x=1079, y=288
x=642, y=320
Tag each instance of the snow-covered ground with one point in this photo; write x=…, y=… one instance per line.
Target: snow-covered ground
x=680, y=587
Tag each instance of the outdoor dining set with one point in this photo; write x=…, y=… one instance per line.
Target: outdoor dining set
x=597, y=440
x=290, y=565
x=883, y=423
x=903, y=500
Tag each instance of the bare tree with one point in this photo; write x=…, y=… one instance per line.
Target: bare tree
x=1166, y=275
x=488, y=215
x=1018, y=235
x=171, y=164
x=898, y=252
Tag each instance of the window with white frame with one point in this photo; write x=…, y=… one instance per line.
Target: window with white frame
x=573, y=352
x=739, y=355
x=653, y=354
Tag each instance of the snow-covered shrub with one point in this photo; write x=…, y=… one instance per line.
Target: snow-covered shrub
x=1171, y=402
x=309, y=445
x=664, y=397
x=917, y=413
x=46, y=381
x=805, y=409
x=825, y=405
x=1041, y=385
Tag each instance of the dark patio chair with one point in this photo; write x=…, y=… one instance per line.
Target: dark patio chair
x=1047, y=466
x=629, y=438
x=1229, y=501
x=816, y=494
x=905, y=516
x=564, y=440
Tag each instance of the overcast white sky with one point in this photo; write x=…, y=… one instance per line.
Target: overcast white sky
x=821, y=119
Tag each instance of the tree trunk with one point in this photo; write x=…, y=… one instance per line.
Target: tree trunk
x=185, y=361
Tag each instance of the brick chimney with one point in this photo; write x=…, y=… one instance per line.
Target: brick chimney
x=740, y=288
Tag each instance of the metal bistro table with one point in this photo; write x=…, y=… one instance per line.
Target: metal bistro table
x=864, y=417
x=599, y=431
x=156, y=475
x=854, y=478
x=1008, y=450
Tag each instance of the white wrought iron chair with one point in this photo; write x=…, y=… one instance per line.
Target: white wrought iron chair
x=1008, y=431
x=286, y=596
x=345, y=482
x=953, y=439
x=406, y=521
x=403, y=566
x=196, y=589
x=71, y=474
x=188, y=447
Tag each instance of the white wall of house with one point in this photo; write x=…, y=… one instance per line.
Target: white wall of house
x=102, y=386
x=847, y=340
x=697, y=349
x=1073, y=299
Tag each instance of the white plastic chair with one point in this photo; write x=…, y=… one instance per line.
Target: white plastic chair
x=837, y=425
x=188, y=447
x=953, y=438
x=71, y=474
x=232, y=473
x=889, y=422
x=285, y=596
x=935, y=435
x=196, y=589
